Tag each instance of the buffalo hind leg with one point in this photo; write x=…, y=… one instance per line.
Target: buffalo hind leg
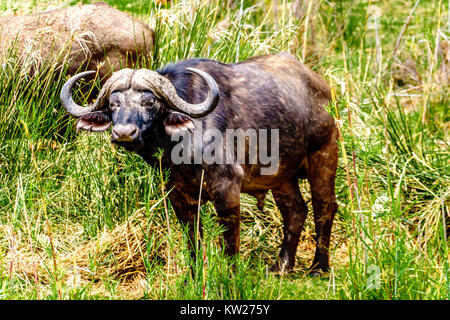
x=321, y=175
x=293, y=209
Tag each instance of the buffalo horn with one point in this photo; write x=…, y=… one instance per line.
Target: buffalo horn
x=164, y=89
x=67, y=102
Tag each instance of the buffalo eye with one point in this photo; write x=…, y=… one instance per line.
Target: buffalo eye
x=148, y=99
x=114, y=101
x=113, y=105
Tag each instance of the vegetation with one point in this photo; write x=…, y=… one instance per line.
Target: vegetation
x=82, y=219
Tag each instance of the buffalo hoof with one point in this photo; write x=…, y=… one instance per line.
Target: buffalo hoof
x=315, y=274
x=316, y=271
x=281, y=268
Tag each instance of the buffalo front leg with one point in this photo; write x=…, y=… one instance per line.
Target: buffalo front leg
x=227, y=203
x=293, y=209
x=321, y=174
x=186, y=210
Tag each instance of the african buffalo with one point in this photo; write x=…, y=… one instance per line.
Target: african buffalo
x=156, y=109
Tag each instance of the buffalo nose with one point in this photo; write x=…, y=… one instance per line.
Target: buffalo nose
x=125, y=132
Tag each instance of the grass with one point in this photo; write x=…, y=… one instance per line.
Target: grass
x=81, y=219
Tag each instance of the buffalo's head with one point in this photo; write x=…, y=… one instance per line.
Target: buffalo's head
x=133, y=101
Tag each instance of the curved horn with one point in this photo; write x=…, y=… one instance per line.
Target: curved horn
x=163, y=88
x=66, y=97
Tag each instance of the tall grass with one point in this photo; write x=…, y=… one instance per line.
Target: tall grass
x=82, y=219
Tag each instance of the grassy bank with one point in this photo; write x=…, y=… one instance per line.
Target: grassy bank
x=82, y=219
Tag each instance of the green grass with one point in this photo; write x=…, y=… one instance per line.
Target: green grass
x=82, y=219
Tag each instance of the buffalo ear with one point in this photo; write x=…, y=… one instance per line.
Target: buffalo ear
x=176, y=122
x=94, y=121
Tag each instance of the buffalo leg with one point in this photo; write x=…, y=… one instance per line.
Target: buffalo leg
x=229, y=217
x=293, y=210
x=227, y=203
x=321, y=175
x=186, y=213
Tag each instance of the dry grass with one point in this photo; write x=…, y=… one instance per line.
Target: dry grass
x=121, y=254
